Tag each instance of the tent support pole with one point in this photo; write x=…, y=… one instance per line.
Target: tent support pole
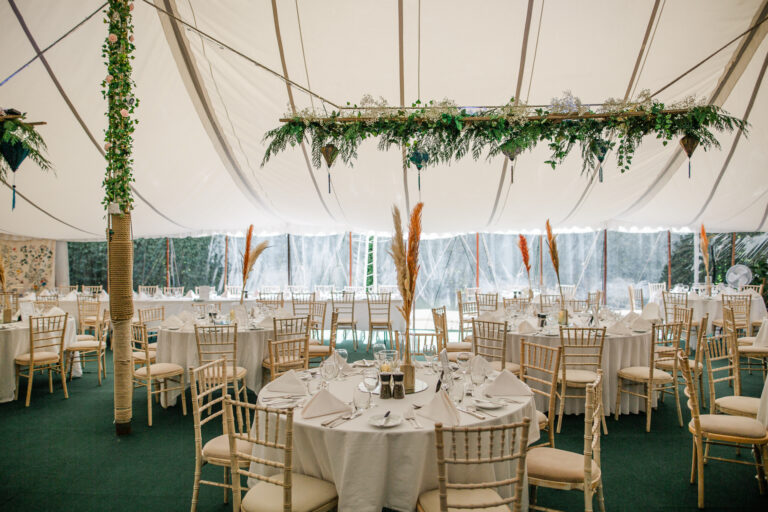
x=733, y=249
x=669, y=260
x=541, y=263
x=477, y=260
x=350, y=258
x=226, y=262
x=605, y=264
x=167, y=262
x=288, y=242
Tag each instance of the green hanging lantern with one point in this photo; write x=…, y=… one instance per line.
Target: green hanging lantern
x=419, y=158
x=329, y=152
x=510, y=149
x=600, y=149
x=13, y=153
x=689, y=144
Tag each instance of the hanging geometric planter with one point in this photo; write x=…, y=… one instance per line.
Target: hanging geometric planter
x=419, y=158
x=510, y=149
x=329, y=152
x=600, y=149
x=689, y=144
x=13, y=153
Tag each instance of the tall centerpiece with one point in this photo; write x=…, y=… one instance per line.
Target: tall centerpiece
x=250, y=255
x=406, y=259
x=562, y=317
x=704, y=241
x=6, y=306
x=522, y=243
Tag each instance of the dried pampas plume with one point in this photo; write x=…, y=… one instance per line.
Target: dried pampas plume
x=705, y=248
x=250, y=255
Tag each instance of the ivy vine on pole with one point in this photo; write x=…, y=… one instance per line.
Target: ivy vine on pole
x=117, y=89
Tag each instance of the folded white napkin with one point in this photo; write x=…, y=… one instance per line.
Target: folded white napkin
x=761, y=340
x=190, y=294
x=143, y=296
x=341, y=363
x=525, y=327
x=288, y=382
x=71, y=295
x=492, y=316
x=186, y=317
x=445, y=363
x=241, y=316
x=29, y=297
x=630, y=317
x=322, y=404
x=651, y=311
x=507, y=384
x=641, y=324
x=480, y=363
x=54, y=311
x=46, y=292
x=441, y=410
x=172, y=322
x=135, y=296
x=159, y=294
x=620, y=327
x=103, y=295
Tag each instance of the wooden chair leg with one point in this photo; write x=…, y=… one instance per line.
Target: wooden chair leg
x=700, y=475
x=149, y=401
x=693, y=461
x=354, y=337
x=183, y=395
x=563, y=389
x=98, y=366
x=648, y=405
x=50, y=380
x=18, y=377
x=29, y=384
x=196, y=484
x=756, y=452
x=588, y=498
x=618, y=401
x=370, y=338
x=226, y=481
x=600, y=497
x=677, y=402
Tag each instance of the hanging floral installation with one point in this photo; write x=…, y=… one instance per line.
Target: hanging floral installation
x=18, y=140
x=442, y=132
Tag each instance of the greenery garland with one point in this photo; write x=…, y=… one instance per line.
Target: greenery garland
x=118, y=90
x=447, y=132
x=16, y=131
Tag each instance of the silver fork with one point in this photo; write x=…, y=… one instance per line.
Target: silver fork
x=410, y=416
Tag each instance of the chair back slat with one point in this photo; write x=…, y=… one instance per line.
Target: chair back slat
x=441, y=327
x=173, y=291
x=516, y=304
x=582, y=348
x=46, y=334
x=149, y=290
x=272, y=300
x=487, y=302
x=209, y=387
x=742, y=307
x=289, y=349
x=344, y=303
x=216, y=342
x=92, y=290
x=302, y=303
x=379, y=307
x=489, y=340
x=203, y=309
x=670, y=300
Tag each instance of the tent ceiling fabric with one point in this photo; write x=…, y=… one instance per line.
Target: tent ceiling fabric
x=205, y=109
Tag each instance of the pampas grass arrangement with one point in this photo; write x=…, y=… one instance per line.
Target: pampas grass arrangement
x=552, y=244
x=522, y=243
x=250, y=255
x=704, y=242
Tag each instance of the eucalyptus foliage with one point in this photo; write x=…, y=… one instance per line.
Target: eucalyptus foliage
x=17, y=131
x=118, y=90
x=450, y=132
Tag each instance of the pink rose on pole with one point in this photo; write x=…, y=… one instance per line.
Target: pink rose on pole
x=107, y=146
x=112, y=38
x=124, y=112
x=130, y=39
x=130, y=6
x=109, y=79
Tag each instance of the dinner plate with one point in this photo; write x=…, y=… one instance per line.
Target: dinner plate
x=487, y=404
x=378, y=420
x=173, y=328
x=364, y=363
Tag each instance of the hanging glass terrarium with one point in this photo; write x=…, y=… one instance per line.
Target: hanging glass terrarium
x=510, y=149
x=329, y=152
x=419, y=158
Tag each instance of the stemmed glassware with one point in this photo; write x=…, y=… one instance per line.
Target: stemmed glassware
x=463, y=359
x=377, y=349
x=430, y=354
x=370, y=381
x=477, y=375
x=328, y=371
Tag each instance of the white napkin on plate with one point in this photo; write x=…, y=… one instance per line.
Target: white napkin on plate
x=620, y=327
x=187, y=317
x=480, y=362
x=651, y=311
x=288, y=382
x=322, y=404
x=190, y=294
x=441, y=410
x=172, y=322
x=507, y=384
x=525, y=327
x=70, y=296
x=641, y=324
x=54, y=311
x=761, y=340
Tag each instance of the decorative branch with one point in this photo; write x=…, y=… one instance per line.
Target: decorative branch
x=522, y=243
x=553, y=254
x=250, y=255
x=704, y=242
x=406, y=258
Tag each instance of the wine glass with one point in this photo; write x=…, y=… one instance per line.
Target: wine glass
x=328, y=371
x=343, y=354
x=430, y=353
x=370, y=381
x=463, y=359
x=377, y=348
x=477, y=374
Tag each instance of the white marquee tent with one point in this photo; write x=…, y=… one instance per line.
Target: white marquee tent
x=205, y=108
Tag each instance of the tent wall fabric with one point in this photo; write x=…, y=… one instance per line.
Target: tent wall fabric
x=204, y=110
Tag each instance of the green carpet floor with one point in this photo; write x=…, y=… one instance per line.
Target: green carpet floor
x=62, y=455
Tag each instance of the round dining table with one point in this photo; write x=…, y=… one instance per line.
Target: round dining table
x=713, y=306
x=375, y=467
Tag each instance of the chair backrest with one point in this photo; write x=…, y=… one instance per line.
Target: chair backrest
x=470, y=294
x=690, y=391
x=467, y=308
x=289, y=348
x=540, y=364
x=92, y=290
x=379, y=307
x=754, y=287
x=742, y=307
x=549, y=302
x=324, y=289
x=173, y=291
x=569, y=290
x=441, y=326
x=208, y=384
x=419, y=341
x=272, y=299
x=66, y=290
x=152, y=318
x=216, y=342
x=576, y=305
x=684, y=316
x=489, y=340
x=670, y=300
x=582, y=348
x=344, y=303
x=317, y=316
x=203, y=308
x=665, y=342
x=487, y=301
x=636, y=301
x=140, y=343
x=234, y=290
x=270, y=289
x=9, y=300
x=149, y=290
x=302, y=303
x=46, y=302
x=388, y=288
x=654, y=288
x=517, y=304
x=721, y=365
x=272, y=430
x=46, y=334
x=472, y=450
x=593, y=416
x=88, y=309
x=593, y=301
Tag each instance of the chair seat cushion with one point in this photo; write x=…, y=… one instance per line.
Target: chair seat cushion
x=557, y=465
x=40, y=357
x=84, y=345
x=307, y=494
x=152, y=346
x=459, y=346
x=318, y=350
x=746, y=405
x=238, y=371
x=668, y=365
x=509, y=365
x=643, y=372
x=752, y=350
x=314, y=341
x=160, y=370
x=430, y=500
x=745, y=340
x=85, y=337
x=218, y=448
x=140, y=355
x=578, y=376
x=541, y=419
x=725, y=424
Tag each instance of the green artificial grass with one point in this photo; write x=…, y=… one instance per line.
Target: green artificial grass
x=63, y=455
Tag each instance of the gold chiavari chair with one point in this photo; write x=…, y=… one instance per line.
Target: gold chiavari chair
x=539, y=368
x=88, y=312
x=46, y=353
x=317, y=322
x=724, y=430
x=758, y=289
x=656, y=289
x=636, y=301
x=467, y=312
x=289, y=350
x=582, y=358
x=201, y=309
x=576, y=305
x=473, y=449
x=742, y=307
x=148, y=290
x=684, y=316
x=319, y=350
x=149, y=374
x=560, y=469
x=441, y=329
x=549, y=302
x=569, y=291
x=209, y=387
x=379, y=315
x=9, y=300
x=489, y=340
x=271, y=299
x=220, y=341
x=517, y=304
x=665, y=342
x=669, y=301
x=756, y=355
x=285, y=489
x=487, y=302
x=344, y=303
x=66, y=290
x=419, y=341
x=173, y=291
x=140, y=338
x=302, y=303
x=46, y=302
x=94, y=349
x=152, y=318
x=593, y=301
x=92, y=290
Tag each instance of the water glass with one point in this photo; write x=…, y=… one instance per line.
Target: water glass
x=328, y=371
x=463, y=359
x=456, y=391
x=377, y=348
x=360, y=399
x=430, y=353
x=370, y=381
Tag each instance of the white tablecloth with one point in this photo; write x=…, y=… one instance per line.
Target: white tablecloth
x=180, y=347
x=618, y=352
x=374, y=468
x=762, y=410
x=14, y=340
x=713, y=306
